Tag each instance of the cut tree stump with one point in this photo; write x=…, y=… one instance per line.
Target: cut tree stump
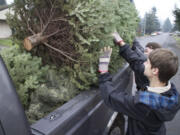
x=31, y=41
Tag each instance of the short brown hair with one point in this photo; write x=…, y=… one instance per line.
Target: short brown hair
x=153, y=45
x=166, y=61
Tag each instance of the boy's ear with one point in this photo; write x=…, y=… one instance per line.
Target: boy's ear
x=155, y=71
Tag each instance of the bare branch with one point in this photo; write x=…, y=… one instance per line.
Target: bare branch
x=60, y=19
x=47, y=36
x=50, y=17
x=54, y=33
x=46, y=44
x=41, y=21
x=50, y=3
x=46, y=25
x=29, y=28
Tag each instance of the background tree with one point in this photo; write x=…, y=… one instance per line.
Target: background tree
x=151, y=21
x=141, y=27
x=175, y=27
x=167, y=26
x=177, y=18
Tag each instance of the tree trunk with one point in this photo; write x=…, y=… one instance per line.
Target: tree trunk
x=31, y=41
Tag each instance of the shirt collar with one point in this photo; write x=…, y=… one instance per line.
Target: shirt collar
x=159, y=89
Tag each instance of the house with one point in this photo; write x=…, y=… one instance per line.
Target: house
x=5, y=30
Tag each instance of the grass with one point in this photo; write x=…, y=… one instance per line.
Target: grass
x=177, y=38
x=6, y=42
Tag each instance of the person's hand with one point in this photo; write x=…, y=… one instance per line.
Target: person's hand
x=104, y=59
x=117, y=39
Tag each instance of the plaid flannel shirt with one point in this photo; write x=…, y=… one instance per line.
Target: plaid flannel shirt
x=158, y=101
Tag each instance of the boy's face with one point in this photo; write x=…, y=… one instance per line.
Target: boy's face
x=147, y=51
x=148, y=69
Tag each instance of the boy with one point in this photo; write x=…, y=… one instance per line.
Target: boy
x=135, y=57
x=146, y=110
x=141, y=52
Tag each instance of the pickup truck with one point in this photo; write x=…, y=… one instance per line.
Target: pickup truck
x=85, y=114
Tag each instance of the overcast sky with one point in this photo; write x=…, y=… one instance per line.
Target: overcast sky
x=164, y=7
x=9, y=1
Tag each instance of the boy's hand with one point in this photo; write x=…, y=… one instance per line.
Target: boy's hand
x=104, y=59
x=117, y=39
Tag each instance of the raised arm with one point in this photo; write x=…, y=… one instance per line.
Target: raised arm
x=129, y=55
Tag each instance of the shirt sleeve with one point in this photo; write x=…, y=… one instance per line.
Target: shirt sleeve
x=119, y=100
x=137, y=45
x=135, y=62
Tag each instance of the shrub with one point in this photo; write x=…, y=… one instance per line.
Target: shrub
x=26, y=72
x=39, y=87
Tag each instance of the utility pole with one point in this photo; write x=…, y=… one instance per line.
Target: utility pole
x=144, y=24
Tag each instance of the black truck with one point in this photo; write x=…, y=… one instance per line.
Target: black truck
x=86, y=114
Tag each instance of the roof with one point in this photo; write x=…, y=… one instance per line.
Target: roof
x=4, y=10
x=2, y=7
x=3, y=14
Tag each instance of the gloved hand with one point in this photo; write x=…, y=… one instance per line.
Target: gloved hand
x=117, y=39
x=104, y=59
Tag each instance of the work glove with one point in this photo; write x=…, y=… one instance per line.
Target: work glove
x=117, y=38
x=104, y=59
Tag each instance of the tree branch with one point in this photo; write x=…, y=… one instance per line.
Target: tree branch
x=29, y=28
x=41, y=21
x=47, y=36
x=46, y=44
x=50, y=17
x=60, y=19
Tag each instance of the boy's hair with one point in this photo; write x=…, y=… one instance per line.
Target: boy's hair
x=166, y=61
x=153, y=45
